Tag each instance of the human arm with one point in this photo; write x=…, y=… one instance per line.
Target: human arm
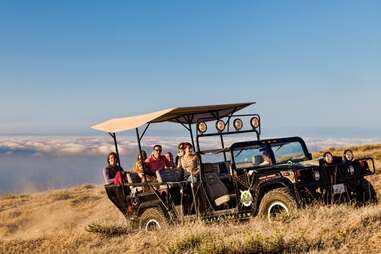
x=107, y=176
x=197, y=165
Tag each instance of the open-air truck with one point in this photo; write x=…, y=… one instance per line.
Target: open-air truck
x=237, y=185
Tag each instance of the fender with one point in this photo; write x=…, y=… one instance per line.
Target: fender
x=151, y=204
x=265, y=186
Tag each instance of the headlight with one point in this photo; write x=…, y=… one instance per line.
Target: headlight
x=220, y=125
x=351, y=170
x=316, y=175
x=254, y=121
x=328, y=157
x=238, y=124
x=348, y=155
x=202, y=127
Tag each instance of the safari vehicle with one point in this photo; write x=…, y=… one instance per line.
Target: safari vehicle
x=234, y=180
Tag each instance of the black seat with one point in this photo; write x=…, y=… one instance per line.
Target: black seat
x=132, y=178
x=215, y=188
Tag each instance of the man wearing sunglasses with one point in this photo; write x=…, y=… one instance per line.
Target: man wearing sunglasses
x=157, y=162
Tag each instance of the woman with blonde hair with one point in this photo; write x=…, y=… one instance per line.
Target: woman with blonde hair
x=138, y=168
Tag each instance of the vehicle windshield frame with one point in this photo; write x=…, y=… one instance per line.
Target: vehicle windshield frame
x=267, y=145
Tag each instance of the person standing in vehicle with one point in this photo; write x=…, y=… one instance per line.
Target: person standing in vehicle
x=190, y=162
x=109, y=172
x=157, y=162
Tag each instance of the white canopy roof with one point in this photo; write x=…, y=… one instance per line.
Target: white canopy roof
x=182, y=115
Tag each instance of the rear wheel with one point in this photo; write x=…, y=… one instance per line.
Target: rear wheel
x=152, y=219
x=365, y=193
x=277, y=203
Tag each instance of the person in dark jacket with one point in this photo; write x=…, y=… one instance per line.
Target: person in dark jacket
x=180, y=153
x=109, y=172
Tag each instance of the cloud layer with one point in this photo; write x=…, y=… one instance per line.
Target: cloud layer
x=35, y=146
x=41, y=163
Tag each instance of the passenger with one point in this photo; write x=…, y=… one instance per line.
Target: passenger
x=157, y=162
x=169, y=157
x=138, y=168
x=190, y=163
x=111, y=169
x=180, y=153
x=266, y=159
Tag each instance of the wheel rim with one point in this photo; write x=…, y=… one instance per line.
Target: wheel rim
x=152, y=224
x=275, y=209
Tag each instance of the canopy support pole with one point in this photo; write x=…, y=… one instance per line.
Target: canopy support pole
x=191, y=134
x=138, y=137
x=189, y=128
x=190, y=119
x=113, y=135
x=144, y=132
x=217, y=116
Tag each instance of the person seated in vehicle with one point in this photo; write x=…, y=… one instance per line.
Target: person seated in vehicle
x=266, y=159
x=180, y=153
x=157, y=162
x=190, y=163
x=111, y=170
x=169, y=157
x=138, y=167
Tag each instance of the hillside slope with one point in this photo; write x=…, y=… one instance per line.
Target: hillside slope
x=55, y=222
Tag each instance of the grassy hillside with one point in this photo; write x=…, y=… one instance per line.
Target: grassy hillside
x=55, y=222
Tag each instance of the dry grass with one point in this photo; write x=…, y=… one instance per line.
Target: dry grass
x=83, y=220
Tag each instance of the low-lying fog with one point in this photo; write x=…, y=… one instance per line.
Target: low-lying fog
x=41, y=163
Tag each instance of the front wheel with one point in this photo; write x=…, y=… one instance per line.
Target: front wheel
x=152, y=219
x=276, y=203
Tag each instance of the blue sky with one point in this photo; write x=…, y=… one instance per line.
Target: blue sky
x=308, y=64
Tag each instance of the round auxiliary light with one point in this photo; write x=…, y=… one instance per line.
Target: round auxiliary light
x=220, y=125
x=202, y=127
x=328, y=157
x=254, y=121
x=351, y=170
x=348, y=155
x=238, y=124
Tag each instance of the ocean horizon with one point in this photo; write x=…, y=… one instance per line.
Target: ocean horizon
x=40, y=163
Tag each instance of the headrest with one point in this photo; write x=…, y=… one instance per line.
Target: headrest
x=257, y=159
x=210, y=167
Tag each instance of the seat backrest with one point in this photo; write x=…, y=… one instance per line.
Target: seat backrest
x=257, y=159
x=210, y=168
x=224, y=168
x=130, y=180
x=215, y=188
x=169, y=176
